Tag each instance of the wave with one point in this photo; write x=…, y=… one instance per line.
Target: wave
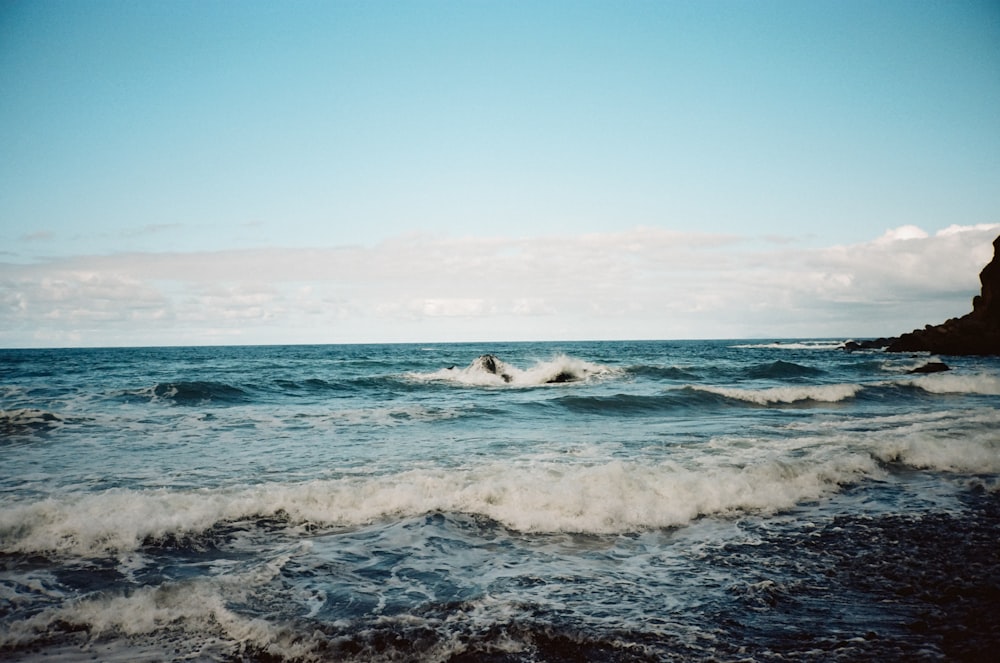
x=684, y=398
x=827, y=393
x=535, y=495
x=937, y=383
x=782, y=369
x=791, y=345
x=392, y=415
x=952, y=383
x=310, y=384
x=975, y=453
x=208, y=619
x=699, y=396
x=26, y=421
x=663, y=372
x=620, y=404
x=195, y=392
x=491, y=371
x=189, y=618
x=613, y=497
x=905, y=365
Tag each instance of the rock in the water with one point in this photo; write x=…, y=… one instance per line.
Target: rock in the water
x=492, y=364
x=976, y=333
x=877, y=344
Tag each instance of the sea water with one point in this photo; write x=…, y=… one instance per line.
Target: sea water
x=606, y=501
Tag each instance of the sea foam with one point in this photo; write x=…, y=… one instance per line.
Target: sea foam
x=540, y=494
x=792, y=345
x=829, y=393
x=24, y=421
x=609, y=497
x=957, y=383
x=559, y=369
x=166, y=617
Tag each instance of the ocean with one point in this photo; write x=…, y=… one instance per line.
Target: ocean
x=604, y=501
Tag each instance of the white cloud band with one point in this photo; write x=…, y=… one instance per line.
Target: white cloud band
x=644, y=283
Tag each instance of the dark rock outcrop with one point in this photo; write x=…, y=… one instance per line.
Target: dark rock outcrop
x=976, y=333
x=492, y=364
x=877, y=344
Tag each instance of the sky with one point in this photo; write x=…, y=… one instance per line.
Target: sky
x=215, y=172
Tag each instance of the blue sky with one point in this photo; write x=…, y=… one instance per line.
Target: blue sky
x=733, y=134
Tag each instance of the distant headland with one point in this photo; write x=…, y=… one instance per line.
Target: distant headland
x=976, y=333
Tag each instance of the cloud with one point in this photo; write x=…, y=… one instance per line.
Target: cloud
x=643, y=283
x=901, y=233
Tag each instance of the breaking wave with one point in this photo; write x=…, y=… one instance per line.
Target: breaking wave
x=792, y=345
x=613, y=497
x=175, y=615
x=952, y=383
x=937, y=383
x=490, y=371
x=542, y=496
x=828, y=393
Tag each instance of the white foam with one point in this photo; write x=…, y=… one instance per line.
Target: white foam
x=28, y=418
x=966, y=442
x=585, y=491
x=9, y=391
x=198, y=607
x=938, y=418
x=562, y=368
x=828, y=393
x=389, y=416
x=19, y=589
x=547, y=496
x=792, y=345
x=980, y=454
x=907, y=365
x=962, y=441
x=958, y=383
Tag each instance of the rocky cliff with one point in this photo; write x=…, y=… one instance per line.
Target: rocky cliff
x=976, y=333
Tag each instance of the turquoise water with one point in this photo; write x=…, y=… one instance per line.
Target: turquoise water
x=586, y=501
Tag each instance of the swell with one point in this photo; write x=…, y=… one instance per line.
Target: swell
x=187, y=392
x=203, y=392
x=683, y=399
x=664, y=372
x=781, y=370
x=692, y=398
